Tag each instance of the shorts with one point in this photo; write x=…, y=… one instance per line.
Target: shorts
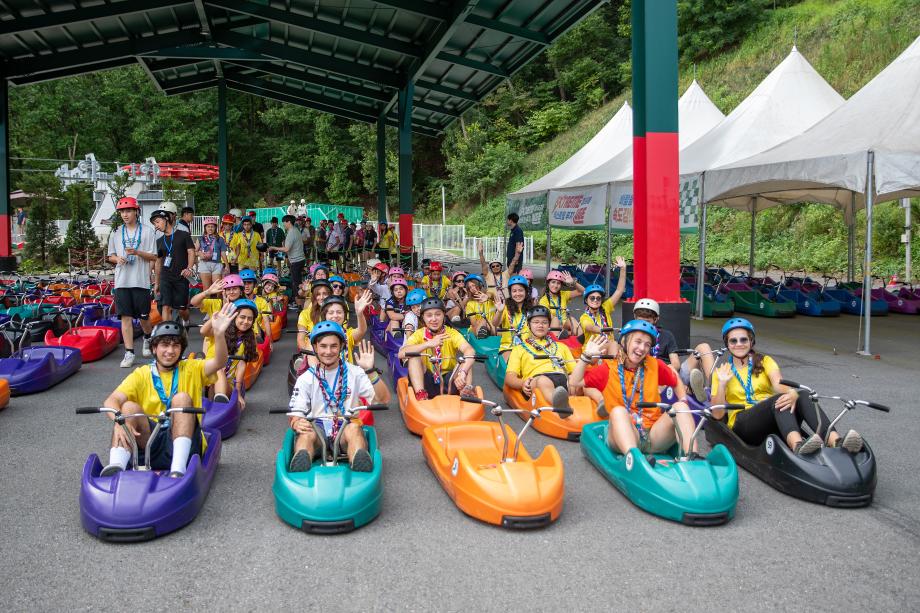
x=133, y=302
x=161, y=449
x=451, y=304
x=434, y=389
x=210, y=267
x=558, y=379
x=685, y=373
x=174, y=293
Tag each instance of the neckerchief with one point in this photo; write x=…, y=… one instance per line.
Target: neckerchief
x=749, y=386
x=497, y=281
x=516, y=335
x=548, y=349
x=436, y=363
x=158, y=384
x=638, y=380
x=557, y=307
x=603, y=322
x=248, y=242
x=333, y=397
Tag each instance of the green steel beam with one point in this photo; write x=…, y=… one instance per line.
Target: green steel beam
x=435, y=108
x=156, y=65
x=87, y=56
x=69, y=72
x=447, y=90
x=255, y=81
x=309, y=58
x=263, y=89
x=506, y=28
x=71, y=17
x=7, y=260
x=418, y=7
x=193, y=87
x=326, y=82
x=181, y=82
x=462, y=60
x=416, y=128
x=381, y=170
x=209, y=52
x=313, y=24
x=223, y=196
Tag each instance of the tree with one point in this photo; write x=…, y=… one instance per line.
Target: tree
x=42, y=237
x=80, y=234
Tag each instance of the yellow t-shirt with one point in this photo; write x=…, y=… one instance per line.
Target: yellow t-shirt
x=587, y=320
x=518, y=322
x=265, y=310
x=734, y=389
x=388, y=241
x=241, y=350
x=209, y=306
x=138, y=386
x=449, y=349
x=435, y=291
x=525, y=365
x=557, y=306
x=480, y=309
x=246, y=246
x=304, y=321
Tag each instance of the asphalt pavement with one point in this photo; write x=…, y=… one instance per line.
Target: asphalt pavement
x=424, y=554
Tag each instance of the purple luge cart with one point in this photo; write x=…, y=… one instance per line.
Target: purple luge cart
x=223, y=416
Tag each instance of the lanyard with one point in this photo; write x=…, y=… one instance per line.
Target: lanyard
x=747, y=387
x=549, y=349
x=172, y=239
x=638, y=383
x=158, y=384
x=603, y=315
x=555, y=307
x=248, y=243
x=516, y=338
x=135, y=240
x=333, y=401
x=435, y=364
x=230, y=362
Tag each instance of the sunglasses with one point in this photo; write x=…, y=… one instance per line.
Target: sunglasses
x=739, y=341
x=338, y=286
x=460, y=281
x=593, y=297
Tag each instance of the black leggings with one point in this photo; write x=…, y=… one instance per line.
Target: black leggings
x=755, y=424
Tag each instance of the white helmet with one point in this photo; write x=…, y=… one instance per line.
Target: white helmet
x=169, y=207
x=236, y=212
x=648, y=304
x=303, y=201
x=292, y=201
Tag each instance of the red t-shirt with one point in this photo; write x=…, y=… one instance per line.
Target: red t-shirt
x=596, y=376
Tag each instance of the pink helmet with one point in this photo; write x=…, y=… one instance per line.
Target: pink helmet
x=232, y=281
x=527, y=274
x=394, y=281
x=270, y=277
x=459, y=273
x=396, y=271
x=555, y=275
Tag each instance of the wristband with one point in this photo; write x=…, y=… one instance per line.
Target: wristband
x=372, y=370
x=584, y=359
x=374, y=378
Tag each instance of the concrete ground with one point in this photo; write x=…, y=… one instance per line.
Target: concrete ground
x=424, y=554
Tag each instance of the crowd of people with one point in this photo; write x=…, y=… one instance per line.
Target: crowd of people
x=549, y=348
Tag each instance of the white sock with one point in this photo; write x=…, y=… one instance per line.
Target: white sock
x=120, y=457
x=182, y=447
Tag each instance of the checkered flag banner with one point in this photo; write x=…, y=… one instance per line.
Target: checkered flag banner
x=690, y=202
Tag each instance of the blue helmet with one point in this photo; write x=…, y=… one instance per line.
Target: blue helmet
x=247, y=274
x=477, y=278
x=327, y=327
x=336, y=279
x=517, y=280
x=737, y=322
x=638, y=325
x=416, y=296
x=268, y=270
x=245, y=303
x=594, y=288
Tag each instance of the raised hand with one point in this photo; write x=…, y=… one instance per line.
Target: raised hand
x=595, y=346
x=621, y=263
x=216, y=287
x=364, y=355
x=568, y=278
x=724, y=372
x=363, y=301
x=221, y=320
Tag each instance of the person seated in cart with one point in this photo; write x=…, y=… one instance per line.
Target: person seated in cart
x=634, y=377
x=478, y=307
x=328, y=389
x=598, y=311
x=263, y=324
x=430, y=373
x=528, y=371
x=241, y=343
x=753, y=379
x=169, y=381
x=494, y=272
x=557, y=299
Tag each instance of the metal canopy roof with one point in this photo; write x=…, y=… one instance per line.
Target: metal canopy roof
x=346, y=57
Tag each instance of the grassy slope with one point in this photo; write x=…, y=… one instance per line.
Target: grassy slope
x=848, y=42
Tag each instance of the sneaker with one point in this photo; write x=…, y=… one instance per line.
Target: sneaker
x=362, y=462
x=482, y=333
x=602, y=410
x=561, y=401
x=176, y=474
x=128, y=360
x=852, y=442
x=222, y=398
x=146, y=349
x=111, y=470
x=301, y=462
x=809, y=446
x=421, y=395
x=698, y=385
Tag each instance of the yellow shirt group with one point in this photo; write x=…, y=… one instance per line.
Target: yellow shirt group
x=449, y=349
x=734, y=389
x=525, y=365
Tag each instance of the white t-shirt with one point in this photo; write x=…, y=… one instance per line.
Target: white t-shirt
x=410, y=319
x=308, y=395
x=135, y=273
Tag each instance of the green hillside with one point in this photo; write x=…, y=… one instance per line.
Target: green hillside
x=848, y=42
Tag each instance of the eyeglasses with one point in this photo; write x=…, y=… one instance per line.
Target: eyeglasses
x=739, y=341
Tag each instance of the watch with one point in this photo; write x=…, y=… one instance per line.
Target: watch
x=372, y=371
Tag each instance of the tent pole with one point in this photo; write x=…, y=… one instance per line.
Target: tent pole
x=549, y=265
x=753, y=228
x=905, y=202
x=851, y=239
x=607, y=218
x=867, y=266
x=701, y=268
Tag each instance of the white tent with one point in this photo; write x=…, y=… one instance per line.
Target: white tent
x=697, y=115
x=867, y=150
x=615, y=136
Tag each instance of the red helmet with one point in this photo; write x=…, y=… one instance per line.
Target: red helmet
x=382, y=267
x=127, y=202
x=436, y=266
x=228, y=218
